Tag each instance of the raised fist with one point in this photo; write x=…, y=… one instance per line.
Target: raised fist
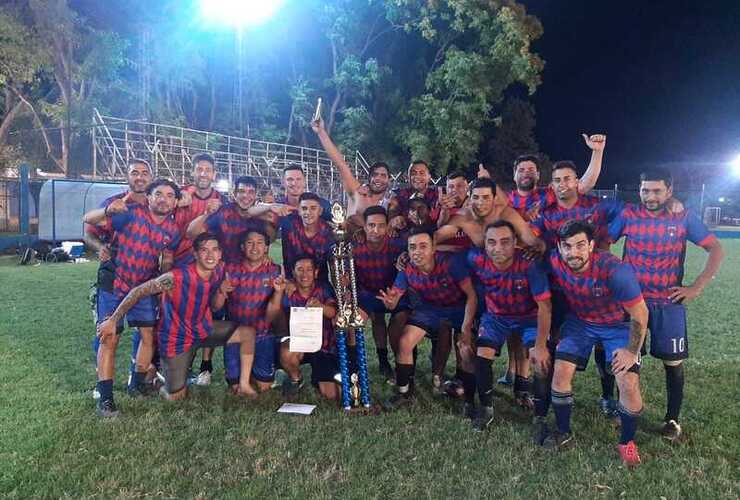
x=596, y=142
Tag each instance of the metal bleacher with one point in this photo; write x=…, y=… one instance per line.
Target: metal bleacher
x=170, y=150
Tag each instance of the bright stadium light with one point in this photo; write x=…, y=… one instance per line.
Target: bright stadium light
x=735, y=166
x=239, y=13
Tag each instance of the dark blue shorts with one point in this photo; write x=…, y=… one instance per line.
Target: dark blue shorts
x=667, y=325
x=369, y=303
x=578, y=338
x=430, y=318
x=495, y=330
x=144, y=312
x=265, y=352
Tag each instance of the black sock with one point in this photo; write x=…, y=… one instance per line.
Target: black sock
x=607, y=379
x=206, y=366
x=458, y=372
x=468, y=381
x=674, y=377
x=484, y=380
x=105, y=389
x=413, y=366
x=562, y=405
x=403, y=376
x=138, y=379
x=541, y=388
x=521, y=385
x=628, y=424
x=382, y=356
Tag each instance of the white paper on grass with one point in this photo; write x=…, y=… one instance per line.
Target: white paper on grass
x=296, y=408
x=306, y=329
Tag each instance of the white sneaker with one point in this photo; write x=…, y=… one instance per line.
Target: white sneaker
x=95, y=394
x=204, y=378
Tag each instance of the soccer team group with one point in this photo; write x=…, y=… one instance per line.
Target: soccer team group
x=465, y=264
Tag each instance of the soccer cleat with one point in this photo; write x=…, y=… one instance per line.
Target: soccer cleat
x=671, y=430
x=292, y=387
x=106, y=409
x=483, y=418
x=609, y=407
x=141, y=391
x=506, y=379
x=203, y=379
x=629, y=454
x=398, y=401
x=95, y=394
x=454, y=388
x=524, y=400
x=470, y=411
x=559, y=441
x=539, y=430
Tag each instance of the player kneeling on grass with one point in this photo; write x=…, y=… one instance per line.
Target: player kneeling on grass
x=185, y=321
x=324, y=363
x=517, y=296
x=599, y=289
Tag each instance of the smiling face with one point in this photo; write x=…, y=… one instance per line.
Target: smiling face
x=162, y=200
x=500, y=245
x=379, y=180
x=421, y=250
x=481, y=201
x=565, y=184
x=294, y=182
x=655, y=194
x=304, y=273
x=139, y=178
x=255, y=248
x=576, y=251
x=310, y=212
x=419, y=177
x=208, y=255
x=245, y=195
x=526, y=175
x=203, y=174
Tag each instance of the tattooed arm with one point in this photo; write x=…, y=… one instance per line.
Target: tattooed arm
x=626, y=357
x=161, y=284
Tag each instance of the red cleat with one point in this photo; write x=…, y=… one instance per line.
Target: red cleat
x=629, y=454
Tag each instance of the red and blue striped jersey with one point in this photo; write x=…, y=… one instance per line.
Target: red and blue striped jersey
x=510, y=292
x=655, y=247
x=403, y=195
x=185, y=215
x=247, y=304
x=532, y=204
x=105, y=232
x=326, y=298
x=228, y=224
x=376, y=269
x=598, y=294
x=140, y=241
x=597, y=212
x=325, y=206
x=185, y=310
x=442, y=286
x=296, y=243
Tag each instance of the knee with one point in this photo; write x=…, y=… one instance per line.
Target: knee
x=486, y=352
x=673, y=363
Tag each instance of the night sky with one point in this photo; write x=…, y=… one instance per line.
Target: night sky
x=660, y=78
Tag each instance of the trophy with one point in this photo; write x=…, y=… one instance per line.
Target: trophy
x=355, y=387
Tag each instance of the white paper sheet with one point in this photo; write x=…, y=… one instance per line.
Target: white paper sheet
x=306, y=329
x=296, y=408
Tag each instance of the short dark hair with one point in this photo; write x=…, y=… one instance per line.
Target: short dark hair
x=419, y=162
x=378, y=165
x=657, y=174
x=528, y=157
x=138, y=161
x=202, y=238
x=483, y=183
x=308, y=195
x=163, y=182
x=204, y=157
x=305, y=256
x=257, y=230
x=501, y=223
x=574, y=227
x=293, y=167
x=456, y=174
x=245, y=180
x=423, y=229
x=419, y=198
x=560, y=164
x=375, y=210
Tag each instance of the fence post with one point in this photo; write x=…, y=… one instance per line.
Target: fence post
x=23, y=193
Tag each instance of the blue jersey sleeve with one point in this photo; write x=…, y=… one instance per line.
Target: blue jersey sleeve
x=616, y=226
x=624, y=286
x=214, y=221
x=611, y=208
x=121, y=220
x=401, y=282
x=538, y=284
x=696, y=231
x=458, y=268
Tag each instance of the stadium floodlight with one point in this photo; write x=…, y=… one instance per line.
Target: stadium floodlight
x=222, y=185
x=239, y=13
x=735, y=166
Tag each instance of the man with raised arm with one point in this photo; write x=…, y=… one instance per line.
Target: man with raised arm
x=655, y=247
x=185, y=320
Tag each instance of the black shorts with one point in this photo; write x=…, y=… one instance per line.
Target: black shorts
x=324, y=366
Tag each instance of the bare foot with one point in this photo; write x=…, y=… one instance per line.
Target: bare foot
x=246, y=391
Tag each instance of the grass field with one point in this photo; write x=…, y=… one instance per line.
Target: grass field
x=52, y=445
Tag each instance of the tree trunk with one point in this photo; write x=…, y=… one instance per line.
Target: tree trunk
x=9, y=117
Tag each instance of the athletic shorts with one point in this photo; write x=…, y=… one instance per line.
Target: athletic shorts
x=266, y=351
x=176, y=368
x=431, y=318
x=578, y=338
x=324, y=366
x=143, y=313
x=668, y=336
x=369, y=303
x=495, y=330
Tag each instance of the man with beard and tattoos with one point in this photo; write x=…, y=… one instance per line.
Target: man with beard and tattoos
x=145, y=236
x=655, y=247
x=102, y=240
x=361, y=196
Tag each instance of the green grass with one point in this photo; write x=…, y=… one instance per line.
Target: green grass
x=52, y=445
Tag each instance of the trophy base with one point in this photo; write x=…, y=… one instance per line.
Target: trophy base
x=362, y=410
